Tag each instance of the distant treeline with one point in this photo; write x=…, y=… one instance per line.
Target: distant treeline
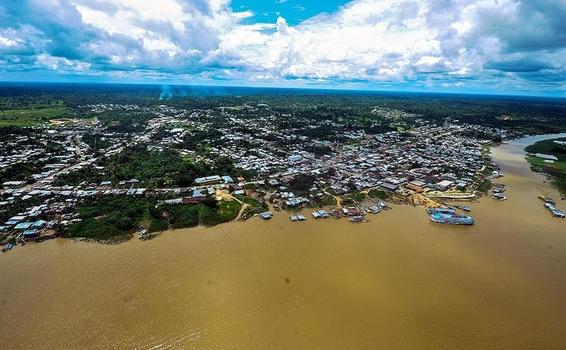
x=526, y=114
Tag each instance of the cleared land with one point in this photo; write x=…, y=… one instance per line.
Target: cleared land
x=33, y=115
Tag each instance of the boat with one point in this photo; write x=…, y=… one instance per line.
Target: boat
x=374, y=210
x=450, y=195
x=447, y=211
x=141, y=233
x=297, y=218
x=463, y=207
x=499, y=196
x=547, y=199
x=320, y=214
x=267, y=215
x=356, y=218
x=555, y=211
x=452, y=219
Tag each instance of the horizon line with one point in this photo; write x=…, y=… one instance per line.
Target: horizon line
x=271, y=87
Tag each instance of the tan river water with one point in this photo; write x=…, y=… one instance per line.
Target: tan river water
x=398, y=282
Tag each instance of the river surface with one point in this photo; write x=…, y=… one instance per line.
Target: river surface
x=398, y=282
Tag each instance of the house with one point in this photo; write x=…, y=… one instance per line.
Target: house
x=13, y=183
x=389, y=186
x=38, y=224
x=33, y=233
x=209, y=180
x=23, y=226
x=199, y=193
x=227, y=179
x=444, y=185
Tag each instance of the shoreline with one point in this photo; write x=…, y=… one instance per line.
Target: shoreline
x=393, y=199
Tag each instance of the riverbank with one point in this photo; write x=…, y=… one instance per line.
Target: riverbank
x=549, y=157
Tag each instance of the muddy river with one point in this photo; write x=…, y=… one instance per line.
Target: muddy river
x=397, y=282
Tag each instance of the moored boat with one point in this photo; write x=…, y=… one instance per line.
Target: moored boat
x=547, y=199
x=451, y=219
x=555, y=211
x=463, y=207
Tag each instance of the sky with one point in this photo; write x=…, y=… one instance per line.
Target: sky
x=475, y=46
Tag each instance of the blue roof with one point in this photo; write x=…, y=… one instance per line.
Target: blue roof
x=23, y=225
x=38, y=224
x=30, y=232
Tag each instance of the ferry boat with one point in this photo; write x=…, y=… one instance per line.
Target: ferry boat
x=451, y=219
x=447, y=211
x=555, y=211
x=449, y=216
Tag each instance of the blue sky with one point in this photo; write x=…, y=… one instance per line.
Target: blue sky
x=478, y=46
x=294, y=11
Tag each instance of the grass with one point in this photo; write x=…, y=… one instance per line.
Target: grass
x=25, y=117
x=557, y=166
x=252, y=202
x=358, y=196
x=228, y=210
x=485, y=186
x=556, y=169
x=378, y=194
x=327, y=200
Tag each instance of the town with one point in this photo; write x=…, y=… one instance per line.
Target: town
x=242, y=161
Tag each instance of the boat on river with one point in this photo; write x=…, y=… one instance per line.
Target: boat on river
x=463, y=207
x=547, y=199
x=452, y=219
x=555, y=211
x=449, y=216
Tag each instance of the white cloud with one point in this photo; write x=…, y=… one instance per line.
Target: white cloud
x=61, y=64
x=378, y=41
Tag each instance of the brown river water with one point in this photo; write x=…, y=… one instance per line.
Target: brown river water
x=398, y=282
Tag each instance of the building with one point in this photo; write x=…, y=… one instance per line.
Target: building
x=209, y=180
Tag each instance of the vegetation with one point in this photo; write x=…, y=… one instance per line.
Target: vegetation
x=378, y=194
x=302, y=182
x=327, y=200
x=485, y=186
x=358, y=196
x=13, y=113
x=152, y=168
x=110, y=219
x=524, y=114
x=556, y=169
x=21, y=171
x=555, y=147
x=117, y=218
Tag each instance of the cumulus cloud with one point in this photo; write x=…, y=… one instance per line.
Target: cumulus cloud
x=507, y=45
